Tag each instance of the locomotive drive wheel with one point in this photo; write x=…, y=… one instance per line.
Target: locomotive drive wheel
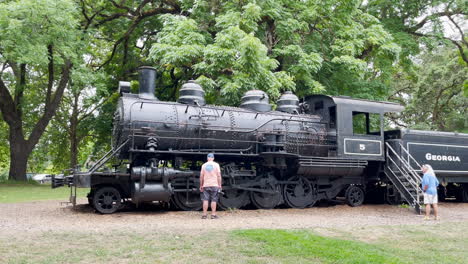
x=464, y=191
x=187, y=201
x=234, y=199
x=300, y=194
x=354, y=195
x=392, y=196
x=107, y=200
x=263, y=200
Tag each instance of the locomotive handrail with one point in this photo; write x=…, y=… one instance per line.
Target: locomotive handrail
x=228, y=127
x=410, y=171
x=410, y=156
x=212, y=107
x=396, y=177
x=106, y=157
x=413, y=179
x=403, y=172
x=255, y=131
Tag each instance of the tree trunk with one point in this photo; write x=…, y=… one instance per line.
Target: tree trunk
x=73, y=132
x=19, y=154
x=73, y=148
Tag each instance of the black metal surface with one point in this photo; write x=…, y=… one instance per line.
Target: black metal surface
x=288, y=103
x=233, y=199
x=147, y=79
x=296, y=155
x=354, y=195
x=299, y=193
x=266, y=200
x=191, y=93
x=446, y=152
x=107, y=200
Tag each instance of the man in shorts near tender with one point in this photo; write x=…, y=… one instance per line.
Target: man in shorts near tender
x=210, y=185
x=429, y=185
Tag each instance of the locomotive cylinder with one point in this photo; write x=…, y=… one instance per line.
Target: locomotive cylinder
x=152, y=191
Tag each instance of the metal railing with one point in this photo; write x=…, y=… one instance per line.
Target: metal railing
x=406, y=171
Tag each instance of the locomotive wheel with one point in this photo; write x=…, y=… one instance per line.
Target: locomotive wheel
x=392, y=196
x=187, y=201
x=107, y=200
x=464, y=190
x=354, y=195
x=263, y=200
x=233, y=198
x=300, y=194
x=90, y=199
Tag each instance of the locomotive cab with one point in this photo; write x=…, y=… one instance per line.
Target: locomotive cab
x=357, y=124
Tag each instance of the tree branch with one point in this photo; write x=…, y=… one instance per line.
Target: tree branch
x=41, y=125
x=435, y=15
x=7, y=105
x=459, y=46
x=459, y=30
x=50, y=83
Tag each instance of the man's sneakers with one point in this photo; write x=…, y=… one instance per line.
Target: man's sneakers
x=426, y=218
x=212, y=217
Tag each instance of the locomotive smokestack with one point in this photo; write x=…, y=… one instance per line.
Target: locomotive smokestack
x=147, y=79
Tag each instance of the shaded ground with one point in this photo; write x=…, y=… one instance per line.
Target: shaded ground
x=44, y=216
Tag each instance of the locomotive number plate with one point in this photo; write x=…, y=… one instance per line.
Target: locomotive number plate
x=365, y=147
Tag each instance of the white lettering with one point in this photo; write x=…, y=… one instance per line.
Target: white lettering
x=430, y=156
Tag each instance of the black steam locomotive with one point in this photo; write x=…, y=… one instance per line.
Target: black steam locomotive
x=302, y=152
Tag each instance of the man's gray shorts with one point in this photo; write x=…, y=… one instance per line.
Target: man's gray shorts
x=210, y=194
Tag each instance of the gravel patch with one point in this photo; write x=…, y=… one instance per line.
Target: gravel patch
x=52, y=216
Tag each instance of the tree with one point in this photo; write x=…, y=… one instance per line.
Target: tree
x=39, y=42
x=423, y=22
x=433, y=94
x=233, y=46
x=75, y=117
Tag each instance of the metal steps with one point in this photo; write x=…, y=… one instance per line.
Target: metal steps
x=399, y=171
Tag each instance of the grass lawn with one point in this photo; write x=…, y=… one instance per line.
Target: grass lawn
x=13, y=192
x=400, y=244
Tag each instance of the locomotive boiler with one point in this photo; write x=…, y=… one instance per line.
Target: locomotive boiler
x=295, y=155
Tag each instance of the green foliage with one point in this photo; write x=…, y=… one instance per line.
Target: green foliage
x=433, y=93
x=274, y=46
x=28, y=27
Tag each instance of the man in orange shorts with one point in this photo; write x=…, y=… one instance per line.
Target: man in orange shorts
x=210, y=185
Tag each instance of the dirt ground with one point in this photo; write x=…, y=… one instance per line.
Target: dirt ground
x=44, y=216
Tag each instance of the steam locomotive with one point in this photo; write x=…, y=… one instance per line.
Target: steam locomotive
x=318, y=148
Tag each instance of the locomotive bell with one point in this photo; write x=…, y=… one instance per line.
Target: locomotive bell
x=256, y=100
x=147, y=80
x=288, y=102
x=191, y=93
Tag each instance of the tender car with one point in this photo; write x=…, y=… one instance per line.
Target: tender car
x=42, y=178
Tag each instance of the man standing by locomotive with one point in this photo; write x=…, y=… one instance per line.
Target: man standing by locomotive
x=210, y=185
